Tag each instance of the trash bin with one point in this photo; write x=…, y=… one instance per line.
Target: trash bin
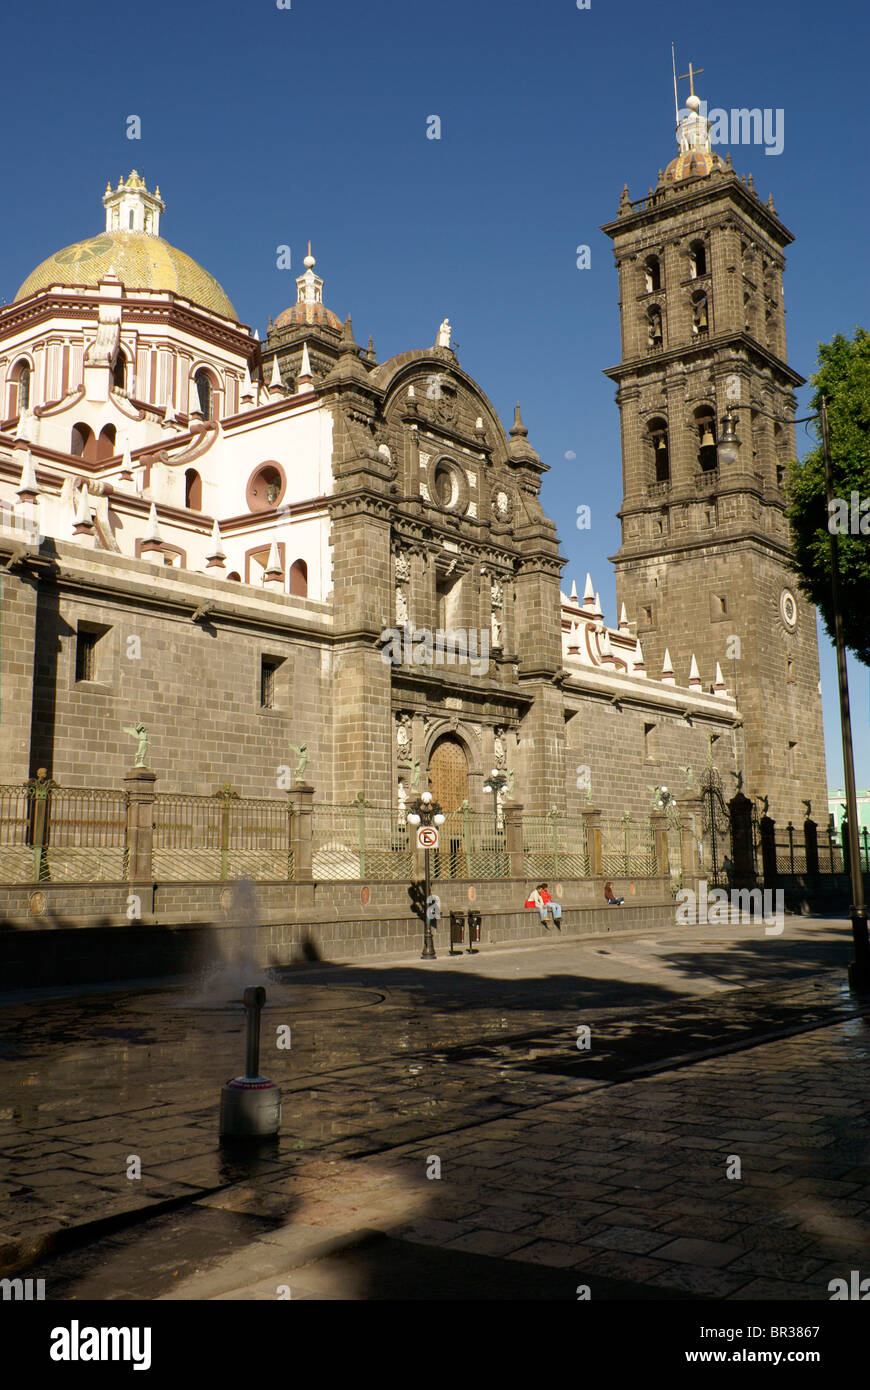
x=473, y=929
x=457, y=930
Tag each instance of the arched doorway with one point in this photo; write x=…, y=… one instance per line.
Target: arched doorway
x=448, y=783
x=448, y=773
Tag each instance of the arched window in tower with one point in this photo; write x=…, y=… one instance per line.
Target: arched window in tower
x=652, y=274
x=193, y=490
x=119, y=375
x=299, y=579
x=130, y=221
x=205, y=386
x=654, y=327
x=700, y=316
x=657, y=431
x=105, y=446
x=705, y=423
x=748, y=312
x=83, y=445
x=697, y=259
x=19, y=396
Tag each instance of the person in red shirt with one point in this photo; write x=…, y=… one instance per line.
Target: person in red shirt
x=541, y=899
x=610, y=896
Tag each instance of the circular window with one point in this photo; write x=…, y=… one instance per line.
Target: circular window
x=446, y=486
x=788, y=608
x=266, y=487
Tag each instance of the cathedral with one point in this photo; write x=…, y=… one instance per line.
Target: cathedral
x=255, y=546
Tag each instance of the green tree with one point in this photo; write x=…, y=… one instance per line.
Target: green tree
x=843, y=378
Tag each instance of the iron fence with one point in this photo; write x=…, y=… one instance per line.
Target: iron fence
x=51, y=834
x=360, y=841
x=555, y=846
x=224, y=836
x=628, y=848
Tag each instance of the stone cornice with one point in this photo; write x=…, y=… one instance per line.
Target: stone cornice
x=695, y=353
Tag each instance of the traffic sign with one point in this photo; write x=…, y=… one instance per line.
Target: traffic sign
x=427, y=837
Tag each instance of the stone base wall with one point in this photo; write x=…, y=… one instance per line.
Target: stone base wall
x=83, y=935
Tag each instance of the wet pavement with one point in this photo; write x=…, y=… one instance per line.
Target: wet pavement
x=606, y=1163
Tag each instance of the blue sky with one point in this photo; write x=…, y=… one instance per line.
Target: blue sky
x=266, y=126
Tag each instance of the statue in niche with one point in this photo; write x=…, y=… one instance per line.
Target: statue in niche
x=403, y=732
x=401, y=606
x=403, y=567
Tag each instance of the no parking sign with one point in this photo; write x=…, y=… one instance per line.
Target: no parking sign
x=427, y=837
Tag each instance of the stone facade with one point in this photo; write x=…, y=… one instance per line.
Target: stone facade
x=703, y=567
x=329, y=551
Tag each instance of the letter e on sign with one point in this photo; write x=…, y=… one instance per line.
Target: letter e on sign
x=427, y=837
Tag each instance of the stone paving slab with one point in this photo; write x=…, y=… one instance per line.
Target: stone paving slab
x=640, y=1164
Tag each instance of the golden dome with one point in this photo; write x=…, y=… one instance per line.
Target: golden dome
x=140, y=261
x=692, y=164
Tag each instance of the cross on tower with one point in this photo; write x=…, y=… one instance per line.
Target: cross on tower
x=691, y=74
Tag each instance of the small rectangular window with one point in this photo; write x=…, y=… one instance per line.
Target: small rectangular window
x=86, y=654
x=268, y=667
x=650, y=743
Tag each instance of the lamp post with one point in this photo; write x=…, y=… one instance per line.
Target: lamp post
x=424, y=811
x=729, y=446
x=495, y=783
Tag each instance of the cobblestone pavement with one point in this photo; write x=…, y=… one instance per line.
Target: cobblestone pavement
x=551, y=1158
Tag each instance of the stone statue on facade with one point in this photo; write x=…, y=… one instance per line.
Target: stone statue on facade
x=140, y=733
x=444, y=334
x=302, y=756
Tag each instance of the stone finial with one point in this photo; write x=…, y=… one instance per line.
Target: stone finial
x=28, y=487
x=719, y=686
x=247, y=385
x=83, y=510
x=638, y=666
x=574, y=590
x=623, y=619
x=599, y=611
x=169, y=416
x=518, y=429
x=83, y=525
x=216, y=557
x=152, y=534
x=574, y=638
x=694, y=675
x=127, y=464
x=275, y=382
x=605, y=650
x=750, y=184
x=667, y=676
x=195, y=401
x=305, y=380
x=274, y=575
x=588, y=592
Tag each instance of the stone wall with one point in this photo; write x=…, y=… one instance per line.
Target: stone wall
x=83, y=933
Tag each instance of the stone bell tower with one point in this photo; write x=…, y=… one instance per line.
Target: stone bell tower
x=703, y=567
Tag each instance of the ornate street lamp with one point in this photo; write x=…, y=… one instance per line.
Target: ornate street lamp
x=496, y=783
x=424, y=811
x=859, y=970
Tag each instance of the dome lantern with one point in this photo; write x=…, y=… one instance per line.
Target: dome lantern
x=132, y=208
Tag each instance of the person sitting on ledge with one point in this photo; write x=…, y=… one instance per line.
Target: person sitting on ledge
x=544, y=903
x=610, y=897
